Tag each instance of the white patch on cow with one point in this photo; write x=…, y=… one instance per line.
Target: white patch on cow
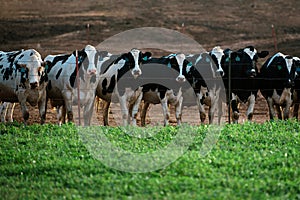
x=289, y=63
x=180, y=59
x=136, y=71
x=91, y=52
x=276, y=55
x=218, y=52
x=250, y=53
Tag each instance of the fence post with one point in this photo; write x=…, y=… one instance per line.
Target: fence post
x=78, y=88
x=229, y=88
x=274, y=38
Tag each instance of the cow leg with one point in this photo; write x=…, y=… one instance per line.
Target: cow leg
x=201, y=108
x=135, y=108
x=235, y=110
x=250, y=110
x=124, y=109
x=271, y=107
x=88, y=112
x=166, y=113
x=286, y=110
x=42, y=109
x=3, y=111
x=220, y=111
x=68, y=107
x=59, y=114
x=214, y=102
x=11, y=112
x=143, y=113
x=279, y=112
x=178, y=110
x=106, y=105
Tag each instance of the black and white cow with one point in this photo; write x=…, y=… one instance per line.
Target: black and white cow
x=113, y=68
x=277, y=81
x=244, y=86
x=62, y=89
x=161, y=76
x=209, y=64
x=22, y=80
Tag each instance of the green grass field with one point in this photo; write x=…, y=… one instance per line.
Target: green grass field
x=249, y=161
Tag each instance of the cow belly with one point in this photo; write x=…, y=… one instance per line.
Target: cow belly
x=151, y=97
x=7, y=94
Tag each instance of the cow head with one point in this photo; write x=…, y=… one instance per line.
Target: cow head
x=89, y=57
x=253, y=55
x=180, y=64
x=134, y=59
x=218, y=57
x=30, y=65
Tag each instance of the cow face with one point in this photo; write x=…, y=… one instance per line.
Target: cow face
x=134, y=59
x=177, y=62
x=218, y=57
x=31, y=62
x=254, y=55
x=91, y=64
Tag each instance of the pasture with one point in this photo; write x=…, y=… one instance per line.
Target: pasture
x=258, y=160
x=249, y=161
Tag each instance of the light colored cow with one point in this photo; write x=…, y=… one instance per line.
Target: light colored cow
x=62, y=89
x=22, y=79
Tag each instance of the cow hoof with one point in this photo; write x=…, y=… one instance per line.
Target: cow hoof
x=250, y=116
x=235, y=116
x=202, y=117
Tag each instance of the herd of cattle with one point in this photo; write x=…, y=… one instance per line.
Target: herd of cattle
x=136, y=76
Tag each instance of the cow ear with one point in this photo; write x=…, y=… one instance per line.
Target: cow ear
x=146, y=56
x=125, y=57
x=263, y=54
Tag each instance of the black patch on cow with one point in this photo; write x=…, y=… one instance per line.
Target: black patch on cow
x=21, y=56
x=93, y=79
x=11, y=57
x=7, y=73
x=49, y=85
x=58, y=73
x=31, y=53
x=2, y=71
x=1, y=59
x=1, y=66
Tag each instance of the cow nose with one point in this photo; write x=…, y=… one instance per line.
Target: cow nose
x=92, y=71
x=136, y=72
x=180, y=79
x=34, y=85
x=220, y=73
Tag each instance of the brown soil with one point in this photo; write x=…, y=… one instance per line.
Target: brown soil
x=56, y=26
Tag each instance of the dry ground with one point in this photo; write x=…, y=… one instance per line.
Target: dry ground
x=60, y=26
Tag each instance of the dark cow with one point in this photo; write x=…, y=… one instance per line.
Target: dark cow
x=62, y=88
x=194, y=90
x=244, y=86
x=112, y=69
x=22, y=80
x=163, y=88
x=277, y=83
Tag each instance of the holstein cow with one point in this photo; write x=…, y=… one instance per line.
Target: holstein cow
x=209, y=65
x=22, y=80
x=244, y=86
x=62, y=86
x=296, y=94
x=277, y=83
x=127, y=67
x=161, y=76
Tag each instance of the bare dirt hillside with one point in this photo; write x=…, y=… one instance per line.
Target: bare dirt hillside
x=60, y=26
